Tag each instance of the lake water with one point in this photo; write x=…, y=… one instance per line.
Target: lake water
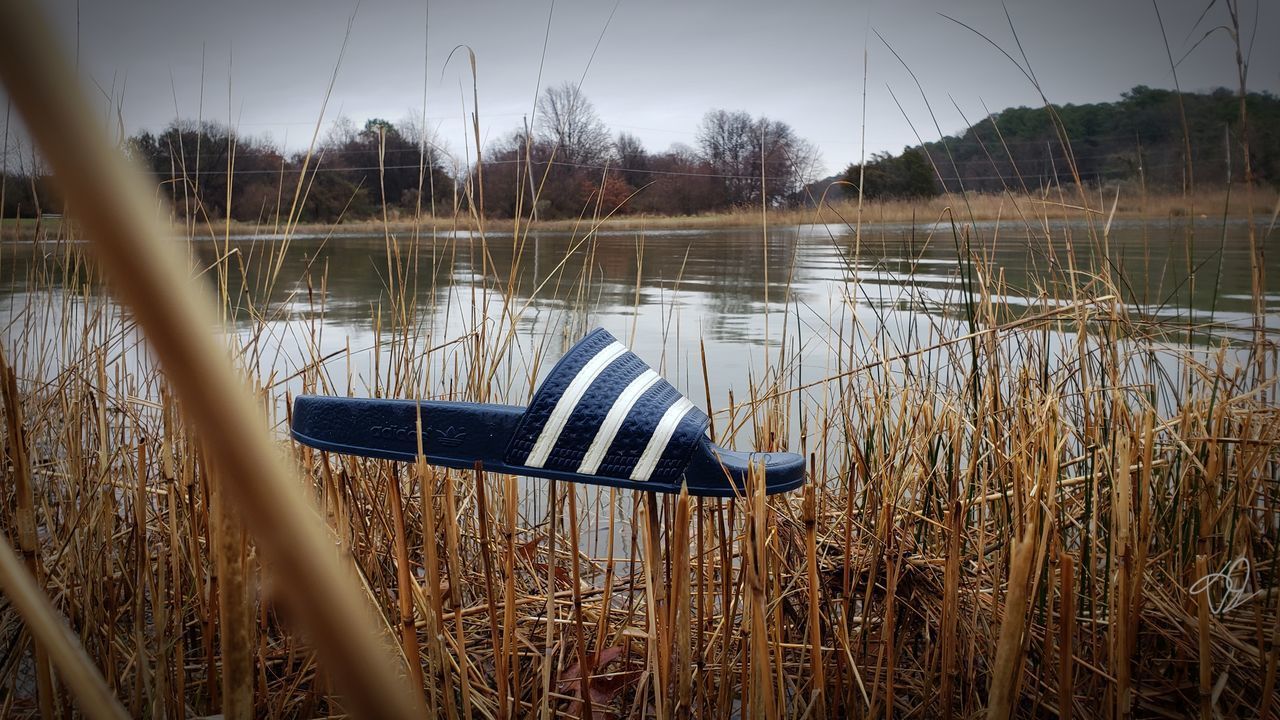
x=666, y=291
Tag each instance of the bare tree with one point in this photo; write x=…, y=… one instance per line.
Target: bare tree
x=747, y=152
x=726, y=140
x=633, y=159
x=568, y=122
x=342, y=131
x=435, y=150
x=786, y=160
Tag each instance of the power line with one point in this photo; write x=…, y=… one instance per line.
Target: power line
x=1065, y=173
x=559, y=163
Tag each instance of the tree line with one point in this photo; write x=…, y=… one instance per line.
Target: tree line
x=1137, y=139
x=569, y=164
x=565, y=163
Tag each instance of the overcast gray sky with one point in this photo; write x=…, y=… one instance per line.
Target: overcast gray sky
x=659, y=66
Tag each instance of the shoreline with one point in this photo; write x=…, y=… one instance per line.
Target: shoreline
x=978, y=208
x=1208, y=205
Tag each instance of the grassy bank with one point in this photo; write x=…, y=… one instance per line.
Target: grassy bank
x=979, y=207
x=975, y=206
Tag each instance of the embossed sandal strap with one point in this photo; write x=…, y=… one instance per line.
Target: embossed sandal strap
x=603, y=412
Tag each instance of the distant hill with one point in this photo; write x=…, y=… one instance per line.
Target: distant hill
x=1139, y=138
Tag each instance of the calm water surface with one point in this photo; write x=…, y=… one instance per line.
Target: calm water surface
x=739, y=295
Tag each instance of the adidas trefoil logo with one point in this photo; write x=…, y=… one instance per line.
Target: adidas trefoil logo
x=450, y=436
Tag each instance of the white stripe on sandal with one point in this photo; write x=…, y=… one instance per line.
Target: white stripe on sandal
x=569, y=401
x=661, y=437
x=613, y=421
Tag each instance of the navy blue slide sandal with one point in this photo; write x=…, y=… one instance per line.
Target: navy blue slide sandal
x=601, y=417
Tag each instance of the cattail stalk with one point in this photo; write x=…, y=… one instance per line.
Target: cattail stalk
x=1205, y=647
x=405, y=584
x=490, y=593
x=1066, y=633
x=586, y=668
x=951, y=607
x=681, y=615
x=1008, y=661
x=235, y=617
x=24, y=518
x=818, y=681
x=762, y=700
x=456, y=579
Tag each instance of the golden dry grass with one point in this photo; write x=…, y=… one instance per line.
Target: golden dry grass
x=1129, y=204
x=896, y=574
x=1006, y=515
